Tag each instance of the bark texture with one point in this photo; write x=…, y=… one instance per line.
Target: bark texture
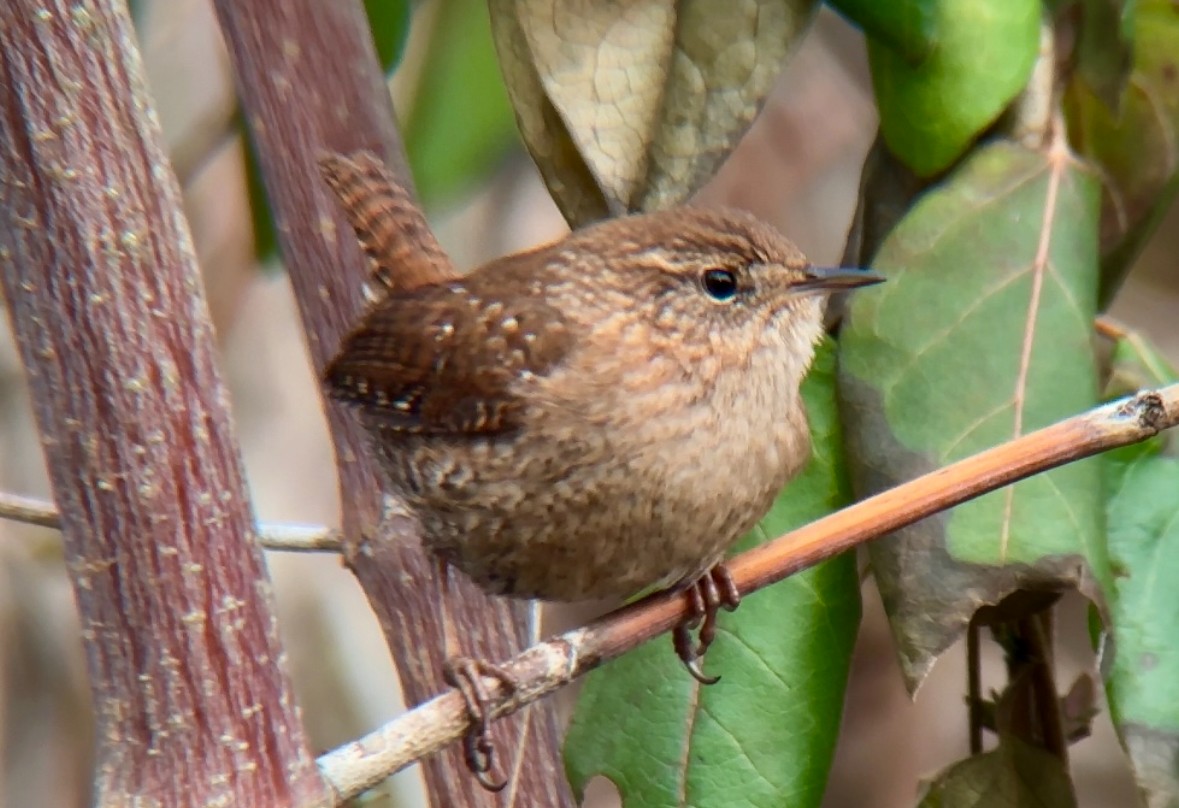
x=193, y=703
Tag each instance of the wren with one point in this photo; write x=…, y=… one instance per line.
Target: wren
x=591, y=418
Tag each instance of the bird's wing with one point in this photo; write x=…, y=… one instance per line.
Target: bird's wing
x=444, y=360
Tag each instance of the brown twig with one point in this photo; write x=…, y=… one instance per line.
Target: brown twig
x=1037, y=630
x=193, y=705
x=551, y=664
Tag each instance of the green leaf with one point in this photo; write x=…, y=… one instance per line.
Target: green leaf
x=983, y=54
x=767, y=730
x=389, y=21
x=982, y=333
x=906, y=27
x=1142, y=683
x=1134, y=144
x=460, y=126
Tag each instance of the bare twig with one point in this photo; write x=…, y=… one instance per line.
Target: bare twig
x=549, y=665
x=974, y=699
x=273, y=536
x=29, y=510
x=300, y=538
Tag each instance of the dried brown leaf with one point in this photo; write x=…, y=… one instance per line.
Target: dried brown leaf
x=632, y=106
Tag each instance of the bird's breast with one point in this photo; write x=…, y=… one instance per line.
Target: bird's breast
x=603, y=495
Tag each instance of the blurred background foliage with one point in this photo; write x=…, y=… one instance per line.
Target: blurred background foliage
x=798, y=167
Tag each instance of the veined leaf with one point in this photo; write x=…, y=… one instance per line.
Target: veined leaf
x=1134, y=143
x=1142, y=682
x=767, y=730
x=633, y=106
x=981, y=334
x=564, y=170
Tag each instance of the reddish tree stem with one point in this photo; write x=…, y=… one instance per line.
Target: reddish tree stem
x=193, y=703
x=309, y=82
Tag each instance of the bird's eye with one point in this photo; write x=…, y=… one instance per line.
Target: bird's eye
x=720, y=284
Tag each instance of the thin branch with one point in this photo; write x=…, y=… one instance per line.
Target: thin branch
x=1038, y=631
x=545, y=667
x=300, y=538
x=974, y=688
x=29, y=510
x=272, y=536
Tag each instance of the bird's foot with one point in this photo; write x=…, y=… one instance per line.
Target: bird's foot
x=466, y=675
x=706, y=596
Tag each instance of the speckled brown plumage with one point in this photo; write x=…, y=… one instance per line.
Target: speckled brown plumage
x=591, y=418
x=401, y=248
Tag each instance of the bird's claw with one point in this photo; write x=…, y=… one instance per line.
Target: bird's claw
x=707, y=595
x=466, y=675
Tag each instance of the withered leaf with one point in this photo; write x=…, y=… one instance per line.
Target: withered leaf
x=630, y=106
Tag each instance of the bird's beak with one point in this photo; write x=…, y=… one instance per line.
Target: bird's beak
x=836, y=279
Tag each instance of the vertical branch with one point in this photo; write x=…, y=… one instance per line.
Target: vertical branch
x=193, y=703
x=309, y=81
x=974, y=698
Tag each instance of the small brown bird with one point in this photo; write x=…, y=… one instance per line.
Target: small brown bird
x=594, y=417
